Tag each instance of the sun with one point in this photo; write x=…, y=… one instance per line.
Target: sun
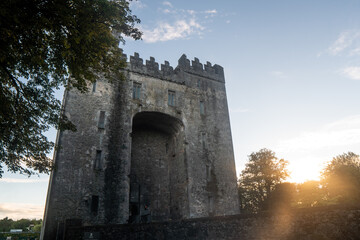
x=305, y=170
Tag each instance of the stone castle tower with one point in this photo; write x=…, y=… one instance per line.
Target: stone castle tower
x=156, y=146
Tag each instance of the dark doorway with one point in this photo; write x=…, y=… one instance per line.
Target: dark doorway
x=158, y=168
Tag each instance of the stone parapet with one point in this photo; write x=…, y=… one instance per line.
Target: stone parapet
x=151, y=68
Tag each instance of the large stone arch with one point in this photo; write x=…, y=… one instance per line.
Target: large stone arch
x=158, y=175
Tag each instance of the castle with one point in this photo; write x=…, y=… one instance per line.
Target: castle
x=155, y=146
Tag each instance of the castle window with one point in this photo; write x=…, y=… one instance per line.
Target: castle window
x=202, y=108
x=203, y=139
x=101, y=123
x=198, y=83
x=94, y=87
x=136, y=90
x=171, y=98
x=94, y=204
x=97, y=163
x=211, y=205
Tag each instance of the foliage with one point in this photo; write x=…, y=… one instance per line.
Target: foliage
x=259, y=178
x=37, y=227
x=341, y=179
x=310, y=194
x=6, y=224
x=46, y=44
x=281, y=198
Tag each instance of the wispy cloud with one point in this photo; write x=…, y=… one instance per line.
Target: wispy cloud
x=178, y=30
x=179, y=24
x=137, y=4
x=22, y=180
x=309, y=152
x=345, y=132
x=278, y=74
x=21, y=210
x=168, y=4
x=239, y=110
x=351, y=72
x=347, y=42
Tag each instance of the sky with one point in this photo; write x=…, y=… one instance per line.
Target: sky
x=292, y=72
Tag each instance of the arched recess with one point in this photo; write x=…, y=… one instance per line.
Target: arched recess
x=158, y=176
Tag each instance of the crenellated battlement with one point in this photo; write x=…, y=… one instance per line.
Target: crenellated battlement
x=151, y=68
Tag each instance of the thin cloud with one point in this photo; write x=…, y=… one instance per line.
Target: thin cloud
x=166, y=3
x=137, y=4
x=278, y=74
x=179, y=24
x=239, y=110
x=348, y=42
x=352, y=72
x=180, y=29
x=22, y=180
x=213, y=11
x=345, y=132
x=17, y=211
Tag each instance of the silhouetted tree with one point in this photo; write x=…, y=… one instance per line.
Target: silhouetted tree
x=46, y=44
x=281, y=198
x=310, y=194
x=341, y=179
x=259, y=178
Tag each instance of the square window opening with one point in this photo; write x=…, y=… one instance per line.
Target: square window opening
x=202, y=108
x=101, y=123
x=136, y=90
x=171, y=98
x=97, y=163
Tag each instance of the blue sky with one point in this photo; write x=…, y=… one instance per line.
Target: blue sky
x=292, y=72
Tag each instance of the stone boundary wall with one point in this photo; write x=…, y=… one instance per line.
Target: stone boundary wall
x=313, y=223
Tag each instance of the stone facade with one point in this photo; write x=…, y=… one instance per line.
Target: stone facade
x=153, y=147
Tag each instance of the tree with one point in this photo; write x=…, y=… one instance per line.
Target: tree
x=259, y=178
x=5, y=224
x=281, y=198
x=341, y=179
x=46, y=44
x=310, y=194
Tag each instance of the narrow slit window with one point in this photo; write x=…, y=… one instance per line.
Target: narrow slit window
x=94, y=204
x=97, y=163
x=203, y=139
x=136, y=90
x=171, y=98
x=202, y=108
x=101, y=123
x=211, y=205
x=94, y=87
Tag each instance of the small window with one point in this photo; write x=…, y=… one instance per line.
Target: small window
x=94, y=87
x=211, y=205
x=101, y=123
x=97, y=163
x=202, y=108
x=203, y=139
x=198, y=83
x=136, y=90
x=94, y=204
x=208, y=173
x=171, y=98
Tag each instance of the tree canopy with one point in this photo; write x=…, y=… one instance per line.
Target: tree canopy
x=341, y=179
x=259, y=178
x=46, y=44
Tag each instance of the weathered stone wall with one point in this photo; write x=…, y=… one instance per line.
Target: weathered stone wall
x=180, y=155
x=307, y=224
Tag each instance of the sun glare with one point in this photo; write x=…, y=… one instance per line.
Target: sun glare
x=307, y=169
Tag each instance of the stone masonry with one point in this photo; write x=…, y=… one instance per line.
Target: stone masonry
x=153, y=147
